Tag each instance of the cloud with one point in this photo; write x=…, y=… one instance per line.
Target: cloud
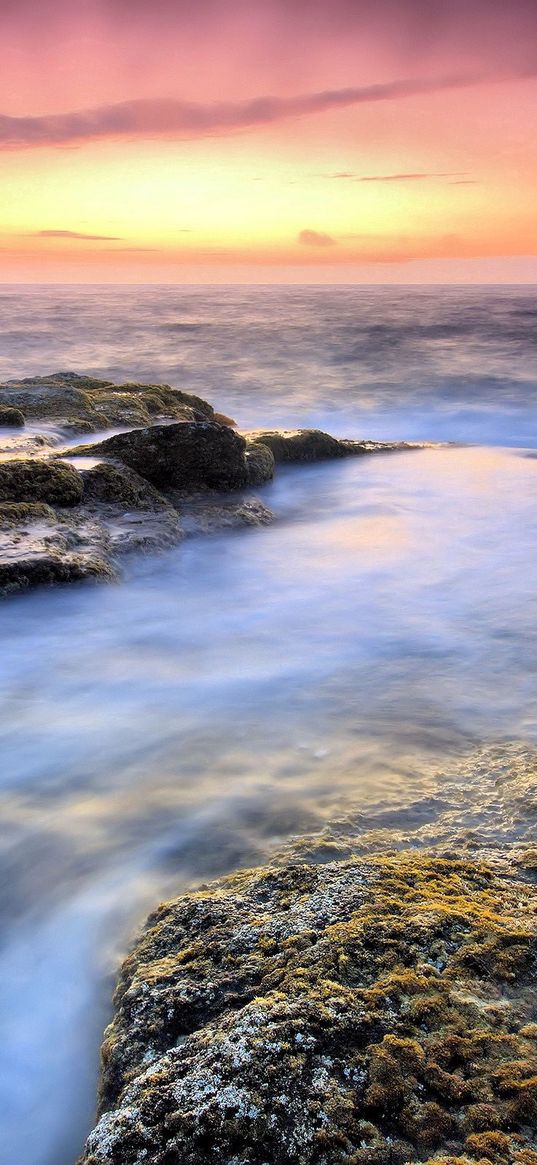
x=150, y=117
x=418, y=176
x=310, y=238
x=57, y=234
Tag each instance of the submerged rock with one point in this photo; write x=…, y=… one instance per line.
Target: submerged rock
x=182, y=456
x=376, y=1010
x=40, y=481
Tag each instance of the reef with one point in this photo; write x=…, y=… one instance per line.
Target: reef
x=177, y=469
x=378, y=1009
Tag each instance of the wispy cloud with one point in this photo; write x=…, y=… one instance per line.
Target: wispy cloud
x=174, y=118
x=58, y=234
x=418, y=176
x=310, y=238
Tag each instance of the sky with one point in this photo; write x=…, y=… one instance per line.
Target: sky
x=193, y=141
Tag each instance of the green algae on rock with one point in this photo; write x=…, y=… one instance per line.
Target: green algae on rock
x=375, y=1010
x=11, y=417
x=53, y=482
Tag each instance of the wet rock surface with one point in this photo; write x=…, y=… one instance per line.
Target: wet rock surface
x=143, y=489
x=380, y=1009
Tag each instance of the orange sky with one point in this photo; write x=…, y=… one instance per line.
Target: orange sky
x=298, y=140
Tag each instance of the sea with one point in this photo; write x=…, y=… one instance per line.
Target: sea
x=250, y=686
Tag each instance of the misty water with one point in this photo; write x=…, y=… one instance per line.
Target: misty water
x=246, y=687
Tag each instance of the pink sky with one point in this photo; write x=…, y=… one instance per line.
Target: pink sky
x=392, y=141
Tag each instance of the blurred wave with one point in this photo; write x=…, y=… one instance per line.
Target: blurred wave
x=240, y=689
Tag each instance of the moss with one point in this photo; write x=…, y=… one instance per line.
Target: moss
x=14, y=514
x=327, y=1014
x=11, y=417
x=40, y=481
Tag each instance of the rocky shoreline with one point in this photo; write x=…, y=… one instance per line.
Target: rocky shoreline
x=366, y=997
x=69, y=511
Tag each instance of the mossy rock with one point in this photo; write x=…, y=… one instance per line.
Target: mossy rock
x=13, y=514
x=40, y=481
x=116, y=485
x=328, y=1015
x=259, y=463
x=52, y=569
x=11, y=418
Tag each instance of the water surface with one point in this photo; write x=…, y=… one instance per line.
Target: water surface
x=242, y=688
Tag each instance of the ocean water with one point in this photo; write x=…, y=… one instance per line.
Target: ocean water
x=247, y=687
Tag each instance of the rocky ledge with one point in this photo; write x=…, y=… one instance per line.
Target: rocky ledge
x=181, y=468
x=369, y=1011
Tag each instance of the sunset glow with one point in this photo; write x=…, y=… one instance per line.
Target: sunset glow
x=268, y=141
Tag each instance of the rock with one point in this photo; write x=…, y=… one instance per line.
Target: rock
x=48, y=569
x=117, y=485
x=376, y=1010
x=303, y=445
x=223, y=419
x=299, y=445
x=40, y=481
x=13, y=514
x=89, y=403
x=179, y=456
x=259, y=463
x=11, y=417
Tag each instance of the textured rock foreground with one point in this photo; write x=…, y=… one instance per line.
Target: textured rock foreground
x=376, y=1010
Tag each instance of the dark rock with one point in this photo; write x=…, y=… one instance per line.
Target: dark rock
x=40, y=481
x=259, y=463
x=11, y=418
x=50, y=570
x=180, y=456
x=118, y=485
x=372, y=1010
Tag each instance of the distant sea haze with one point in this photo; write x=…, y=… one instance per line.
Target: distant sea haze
x=447, y=363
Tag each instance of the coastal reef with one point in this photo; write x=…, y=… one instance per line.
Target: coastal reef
x=368, y=1011
x=177, y=468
